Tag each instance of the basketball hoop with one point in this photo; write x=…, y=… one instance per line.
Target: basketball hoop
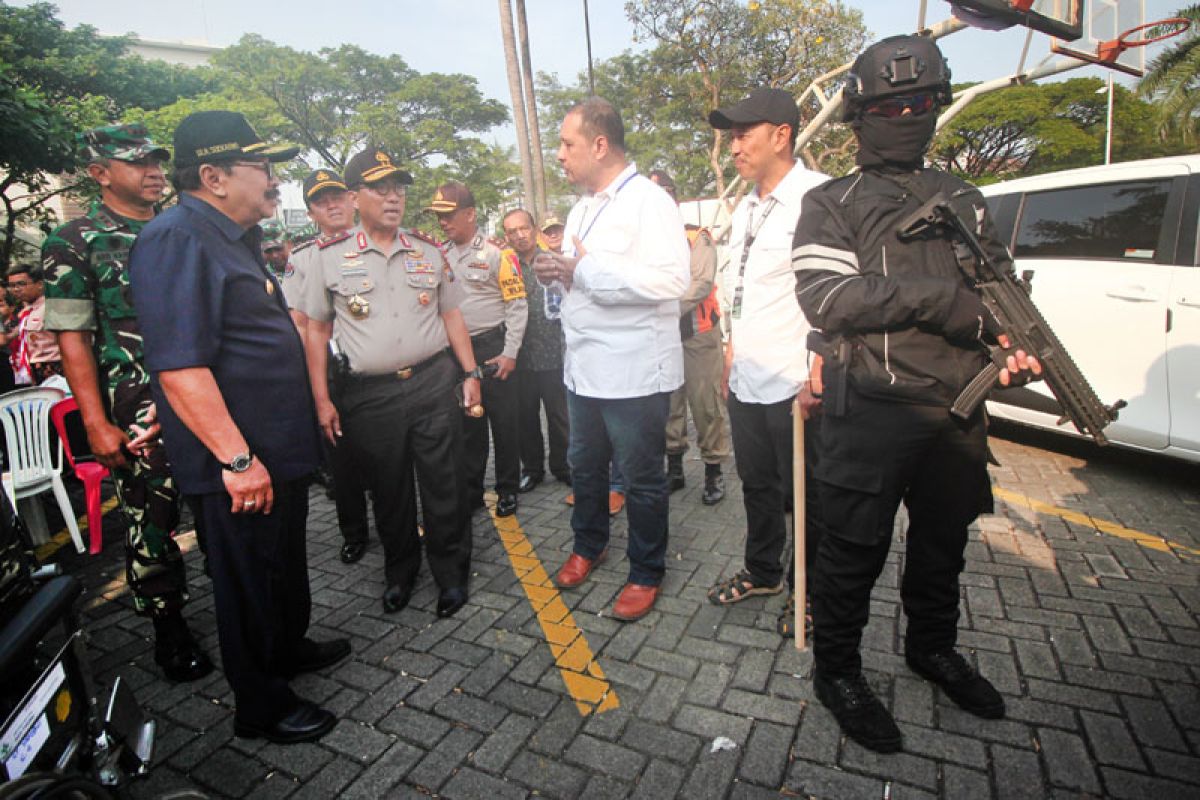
x=1108, y=53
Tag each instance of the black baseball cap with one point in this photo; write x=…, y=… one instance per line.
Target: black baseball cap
x=373, y=165
x=205, y=137
x=319, y=180
x=763, y=105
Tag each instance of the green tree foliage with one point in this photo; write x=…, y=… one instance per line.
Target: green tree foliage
x=716, y=51
x=1027, y=130
x=1173, y=81
x=54, y=82
x=340, y=100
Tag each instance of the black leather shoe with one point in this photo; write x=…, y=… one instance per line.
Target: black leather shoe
x=858, y=711
x=563, y=477
x=959, y=680
x=506, y=506
x=714, y=489
x=675, y=480
x=317, y=655
x=353, y=551
x=182, y=661
x=450, y=601
x=306, y=723
x=529, y=482
x=396, y=598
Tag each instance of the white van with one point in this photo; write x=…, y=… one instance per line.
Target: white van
x=1114, y=260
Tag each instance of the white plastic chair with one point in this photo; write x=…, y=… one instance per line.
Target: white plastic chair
x=25, y=414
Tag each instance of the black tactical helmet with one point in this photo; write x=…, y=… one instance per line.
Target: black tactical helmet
x=897, y=65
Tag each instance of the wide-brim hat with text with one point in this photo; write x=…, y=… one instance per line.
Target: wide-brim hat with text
x=319, y=180
x=763, y=105
x=120, y=142
x=205, y=137
x=373, y=165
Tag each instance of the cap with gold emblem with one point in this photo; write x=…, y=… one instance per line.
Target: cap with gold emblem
x=451, y=196
x=550, y=223
x=373, y=165
x=319, y=180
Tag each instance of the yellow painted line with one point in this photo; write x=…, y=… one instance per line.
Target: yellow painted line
x=1147, y=540
x=63, y=537
x=576, y=662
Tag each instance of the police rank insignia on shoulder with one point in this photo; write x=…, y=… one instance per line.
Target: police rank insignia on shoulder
x=334, y=239
x=362, y=240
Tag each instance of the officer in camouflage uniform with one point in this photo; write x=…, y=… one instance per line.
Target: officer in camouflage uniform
x=89, y=305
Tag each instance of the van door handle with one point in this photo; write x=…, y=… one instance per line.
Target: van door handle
x=1138, y=294
x=1190, y=302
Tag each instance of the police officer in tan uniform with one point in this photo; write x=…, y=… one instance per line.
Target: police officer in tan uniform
x=496, y=312
x=391, y=300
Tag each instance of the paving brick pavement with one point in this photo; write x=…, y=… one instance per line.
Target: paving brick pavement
x=1092, y=637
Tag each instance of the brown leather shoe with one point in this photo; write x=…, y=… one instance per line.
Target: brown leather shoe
x=576, y=570
x=616, y=501
x=635, y=602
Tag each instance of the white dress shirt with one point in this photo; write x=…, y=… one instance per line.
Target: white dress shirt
x=621, y=315
x=770, y=357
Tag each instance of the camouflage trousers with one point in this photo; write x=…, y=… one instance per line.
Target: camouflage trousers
x=153, y=562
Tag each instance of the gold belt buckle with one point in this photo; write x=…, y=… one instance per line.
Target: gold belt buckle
x=404, y=374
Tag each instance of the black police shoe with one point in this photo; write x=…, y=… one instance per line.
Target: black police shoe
x=182, y=661
x=396, y=597
x=506, y=506
x=958, y=679
x=318, y=655
x=305, y=723
x=714, y=489
x=529, y=482
x=450, y=601
x=858, y=711
x=353, y=551
x=675, y=480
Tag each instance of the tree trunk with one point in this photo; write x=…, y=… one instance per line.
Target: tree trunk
x=531, y=117
x=518, y=102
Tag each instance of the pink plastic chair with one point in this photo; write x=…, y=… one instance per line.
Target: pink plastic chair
x=90, y=472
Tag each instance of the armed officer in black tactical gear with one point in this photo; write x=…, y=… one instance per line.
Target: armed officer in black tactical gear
x=902, y=331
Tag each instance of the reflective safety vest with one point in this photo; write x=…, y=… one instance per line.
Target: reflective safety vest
x=707, y=313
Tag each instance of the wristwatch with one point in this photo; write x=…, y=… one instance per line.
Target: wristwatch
x=475, y=373
x=240, y=463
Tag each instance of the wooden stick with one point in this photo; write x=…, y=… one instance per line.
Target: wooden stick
x=798, y=522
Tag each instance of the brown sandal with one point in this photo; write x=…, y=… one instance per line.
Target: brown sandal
x=739, y=587
x=787, y=618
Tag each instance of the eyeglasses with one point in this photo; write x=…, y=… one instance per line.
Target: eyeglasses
x=262, y=166
x=893, y=107
x=383, y=189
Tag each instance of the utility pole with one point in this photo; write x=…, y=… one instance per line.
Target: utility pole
x=518, y=101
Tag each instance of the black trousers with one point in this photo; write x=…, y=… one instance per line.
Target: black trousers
x=538, y=389
x=500, y=400
x=762, y=447
x=873, y=458
x=349, y=493
x=391, y=429
x=260, y=594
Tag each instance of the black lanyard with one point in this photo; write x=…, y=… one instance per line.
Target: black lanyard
x=751, y=234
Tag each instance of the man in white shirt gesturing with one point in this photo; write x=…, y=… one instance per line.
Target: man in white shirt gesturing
x=624, y=268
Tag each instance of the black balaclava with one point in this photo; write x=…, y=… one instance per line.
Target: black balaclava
x=901, y=141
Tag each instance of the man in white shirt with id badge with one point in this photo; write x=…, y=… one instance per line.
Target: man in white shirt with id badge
x=625, y=266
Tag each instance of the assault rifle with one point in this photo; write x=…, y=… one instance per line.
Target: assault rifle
x=1007, y=298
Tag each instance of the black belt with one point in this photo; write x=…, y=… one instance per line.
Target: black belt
x=402, y=374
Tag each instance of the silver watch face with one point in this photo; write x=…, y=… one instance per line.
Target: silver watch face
x=241, y=463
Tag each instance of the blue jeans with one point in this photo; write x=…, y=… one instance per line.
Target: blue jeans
x=631, y=432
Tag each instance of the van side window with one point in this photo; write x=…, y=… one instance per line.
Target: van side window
x=1112, y=221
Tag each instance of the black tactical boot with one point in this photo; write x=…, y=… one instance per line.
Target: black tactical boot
x=714, y=485
x=176, y=652
x=675, y=472
x=959, y=680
